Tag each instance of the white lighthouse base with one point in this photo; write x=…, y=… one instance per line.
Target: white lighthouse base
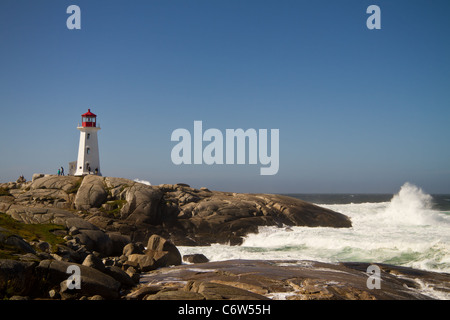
x=88, y=154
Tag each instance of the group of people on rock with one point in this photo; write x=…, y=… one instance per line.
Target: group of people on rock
x=61, y=171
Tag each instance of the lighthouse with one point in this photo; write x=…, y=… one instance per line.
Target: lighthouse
x=88, y=155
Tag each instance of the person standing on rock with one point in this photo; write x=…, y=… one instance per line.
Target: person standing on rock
x=59, y=172
x=62, y=171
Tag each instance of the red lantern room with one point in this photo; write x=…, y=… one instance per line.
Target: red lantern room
x=88, y=119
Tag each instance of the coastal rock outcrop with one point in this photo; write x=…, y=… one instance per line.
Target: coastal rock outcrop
x=227, y=217
x=291, y=280
x=101, y=226
x=184, y=215
x=86, y=233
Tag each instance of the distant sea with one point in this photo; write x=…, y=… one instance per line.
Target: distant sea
x=410, y=228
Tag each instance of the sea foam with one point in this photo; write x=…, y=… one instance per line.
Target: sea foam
x=410, y=206
x=404, y=231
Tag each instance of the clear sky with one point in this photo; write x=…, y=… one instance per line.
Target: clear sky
x=358, y=110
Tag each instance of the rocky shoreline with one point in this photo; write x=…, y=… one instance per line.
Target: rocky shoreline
x=123, y=236
x=289, y=280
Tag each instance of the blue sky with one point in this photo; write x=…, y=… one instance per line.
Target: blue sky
x=358, y=110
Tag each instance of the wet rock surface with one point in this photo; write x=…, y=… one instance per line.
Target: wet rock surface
x=295, y=280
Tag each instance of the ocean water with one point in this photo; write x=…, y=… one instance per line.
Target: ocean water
x=410, y=228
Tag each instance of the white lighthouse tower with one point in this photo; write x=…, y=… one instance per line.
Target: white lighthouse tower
x=88, y=156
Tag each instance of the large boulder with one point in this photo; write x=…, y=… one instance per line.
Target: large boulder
x=142, y=204
x=16, y=278
x=195, y=258
x=121, y=276
x=96, y=240
x=95, y=262
x=18, y=243
x=159, y=253
x=93, y=282
x=145, y=262
x=157, y=243
x=91, y=194
x=118, y=242
x=133, y=248
x=117, y=186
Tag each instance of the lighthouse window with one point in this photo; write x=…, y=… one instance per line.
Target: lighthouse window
x=88, y=150
x=88, y=135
